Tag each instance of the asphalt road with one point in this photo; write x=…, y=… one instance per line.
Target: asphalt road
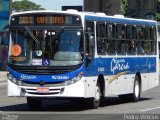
x=112, y=109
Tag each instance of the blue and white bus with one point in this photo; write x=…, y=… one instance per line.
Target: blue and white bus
x=71, y=54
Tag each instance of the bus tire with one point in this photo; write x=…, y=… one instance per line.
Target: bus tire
x=95, y=102
x=34, y=103
x=135, y=96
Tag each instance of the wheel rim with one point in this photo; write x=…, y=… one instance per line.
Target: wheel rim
x=98, y=94
x=137, y=89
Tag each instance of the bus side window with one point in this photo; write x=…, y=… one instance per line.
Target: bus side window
x=141, y=44
x=101, y=37
x=154, y=40
x=120, y=31
x=120, y=37
x=110, y=42
x=148, y=40
x=140, y=33
x=130, y=40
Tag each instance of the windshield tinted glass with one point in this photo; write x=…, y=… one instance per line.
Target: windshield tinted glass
x=59, y=47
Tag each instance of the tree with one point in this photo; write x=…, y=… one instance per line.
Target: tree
x=124, y=6
x=25, y=5
x=158, y=10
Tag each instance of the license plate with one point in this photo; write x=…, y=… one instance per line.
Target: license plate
x=43, y=90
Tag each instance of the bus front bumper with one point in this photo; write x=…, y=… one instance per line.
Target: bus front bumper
x=74, y=90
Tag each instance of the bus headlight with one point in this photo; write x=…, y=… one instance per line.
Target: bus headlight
x=14, y=80
x=20, y=82
x=74, y=80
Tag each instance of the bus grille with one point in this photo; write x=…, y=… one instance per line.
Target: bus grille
x=43, y=72
x=55, y=91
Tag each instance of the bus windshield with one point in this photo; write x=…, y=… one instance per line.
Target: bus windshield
x=46, y=47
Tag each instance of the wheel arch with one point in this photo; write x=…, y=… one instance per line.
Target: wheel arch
x=101, y=81
x=140, y=80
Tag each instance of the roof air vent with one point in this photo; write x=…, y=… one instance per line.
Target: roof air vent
x=102, y=14
x=119, y=16
x=71, y=10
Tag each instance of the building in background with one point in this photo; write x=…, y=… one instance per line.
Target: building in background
x=145, y=9
x=110, y=7
x=4, y=19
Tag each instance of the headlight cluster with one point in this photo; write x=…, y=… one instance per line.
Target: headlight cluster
x=74, y=80
x=14, y=80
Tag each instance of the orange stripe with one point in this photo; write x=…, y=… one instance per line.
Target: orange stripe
x=116, y=76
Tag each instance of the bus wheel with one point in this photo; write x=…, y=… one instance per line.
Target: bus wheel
x=34, y=103
x=95, y=102
x=135, y=96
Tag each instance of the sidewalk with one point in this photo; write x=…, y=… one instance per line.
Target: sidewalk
x=3, y=76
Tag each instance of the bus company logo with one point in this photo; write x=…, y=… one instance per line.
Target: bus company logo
x=119, y=64
x=28, y=76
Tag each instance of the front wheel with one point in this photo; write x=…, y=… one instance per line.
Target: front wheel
x=34, y=103
x=95, y=102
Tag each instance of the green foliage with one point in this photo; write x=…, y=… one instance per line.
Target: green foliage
x=25, y=5
x=158, y=10
x=124, y=5
x=158, y=16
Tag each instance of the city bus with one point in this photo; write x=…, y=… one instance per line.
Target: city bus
x=80, y=56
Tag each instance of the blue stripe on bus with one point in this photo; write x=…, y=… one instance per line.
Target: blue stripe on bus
x=121, y=21
x=104, y=66
x=113, y=66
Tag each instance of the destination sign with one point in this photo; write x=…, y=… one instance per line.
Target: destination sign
x=40, y=19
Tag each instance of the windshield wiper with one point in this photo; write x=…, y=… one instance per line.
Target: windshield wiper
x=56, y=35
x=33, y=37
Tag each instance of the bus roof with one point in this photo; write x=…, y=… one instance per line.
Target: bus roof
x=91, y=16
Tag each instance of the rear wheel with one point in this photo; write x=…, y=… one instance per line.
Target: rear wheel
x=136, y=90
x=34, y=103
x=135, y=96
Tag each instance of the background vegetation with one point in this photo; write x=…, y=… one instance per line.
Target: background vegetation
x=25, y=5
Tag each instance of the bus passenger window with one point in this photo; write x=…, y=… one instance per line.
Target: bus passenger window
x=101, y=37
x=130, y=47
x=120, y=31
x=130, y=32
x=110, y=47
x=153, y=40
x=140, y=47
x=110, y=42
x=110, y=30
x=100, y=28
x=140, y=33
x=149, y=38
x=101, y=49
